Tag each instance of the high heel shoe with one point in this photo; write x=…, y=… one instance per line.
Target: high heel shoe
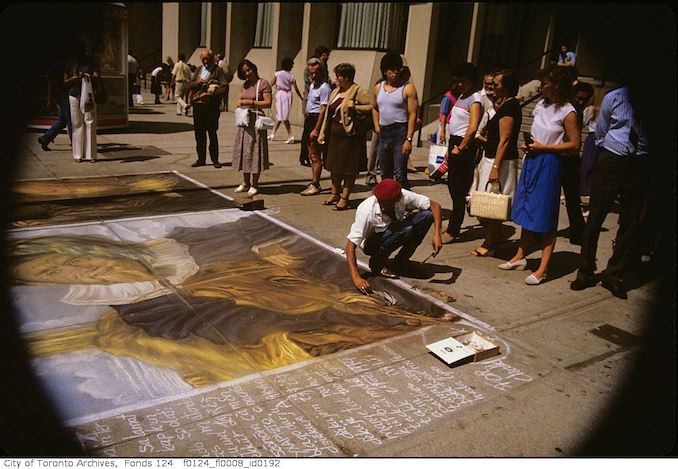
x=341, y=208
x=533, y=280
x=517, y=265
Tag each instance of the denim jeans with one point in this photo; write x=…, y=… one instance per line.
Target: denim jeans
x=393, y=162
x=64, y=120
x=408, y=233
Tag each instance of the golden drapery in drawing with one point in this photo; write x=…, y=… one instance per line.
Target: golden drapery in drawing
x=260, y=298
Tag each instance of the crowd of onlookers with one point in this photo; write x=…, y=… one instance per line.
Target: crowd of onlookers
x=479, y=125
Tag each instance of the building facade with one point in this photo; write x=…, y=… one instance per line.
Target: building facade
x=432, y=37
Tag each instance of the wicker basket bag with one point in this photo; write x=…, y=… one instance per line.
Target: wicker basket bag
x=493, y=205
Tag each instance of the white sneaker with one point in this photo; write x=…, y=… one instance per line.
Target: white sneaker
x=311, y=190
x=241, y=188
x=271, y=137
x=252, y=191
x=290, y=140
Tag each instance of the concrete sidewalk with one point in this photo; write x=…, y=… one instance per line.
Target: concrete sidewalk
x=565, y=354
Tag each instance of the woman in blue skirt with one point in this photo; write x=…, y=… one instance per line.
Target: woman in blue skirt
x=555, y=132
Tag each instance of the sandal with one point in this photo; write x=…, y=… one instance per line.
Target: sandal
x=340, y=208
x=334, y=198
x=489, y=251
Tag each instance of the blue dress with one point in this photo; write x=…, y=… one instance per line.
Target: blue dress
x=537, y=198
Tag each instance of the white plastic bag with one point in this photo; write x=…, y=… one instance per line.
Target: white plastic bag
x=436, y=156
x=242, y=117
x=86, y=95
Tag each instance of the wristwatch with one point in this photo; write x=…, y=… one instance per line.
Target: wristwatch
x=409, y=139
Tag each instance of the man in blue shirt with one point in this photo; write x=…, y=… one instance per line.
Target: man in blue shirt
x=566, y=58
x=621, y=169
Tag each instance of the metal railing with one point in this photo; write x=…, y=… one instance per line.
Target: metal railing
x=519, y=69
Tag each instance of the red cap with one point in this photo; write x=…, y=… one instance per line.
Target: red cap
x=387, y=189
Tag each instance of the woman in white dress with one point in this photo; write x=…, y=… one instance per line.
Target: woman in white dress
x=284, y=81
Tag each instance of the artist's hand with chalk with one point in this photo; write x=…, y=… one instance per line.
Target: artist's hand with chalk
x=362, y=285
x=437, y=244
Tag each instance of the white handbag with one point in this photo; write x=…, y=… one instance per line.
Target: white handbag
x=263, y=122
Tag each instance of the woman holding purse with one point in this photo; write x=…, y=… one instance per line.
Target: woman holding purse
x=250, y=149
x=499, y=165
x=349, y=107
x=555, y=132
x=82, y=80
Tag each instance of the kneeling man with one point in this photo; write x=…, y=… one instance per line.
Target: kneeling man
x=391, y=218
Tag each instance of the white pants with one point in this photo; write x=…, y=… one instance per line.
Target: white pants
x=84, y=138
x=180, y=89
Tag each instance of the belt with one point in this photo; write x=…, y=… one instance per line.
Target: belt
x=396, y=124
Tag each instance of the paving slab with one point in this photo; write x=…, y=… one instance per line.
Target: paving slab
x=543, y=396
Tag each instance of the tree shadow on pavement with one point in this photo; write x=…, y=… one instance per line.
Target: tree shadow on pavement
x=147, y=127
x=135, y=110
x=286, y=189
x=562, y=263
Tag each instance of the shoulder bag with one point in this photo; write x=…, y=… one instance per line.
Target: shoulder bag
x=263, y=122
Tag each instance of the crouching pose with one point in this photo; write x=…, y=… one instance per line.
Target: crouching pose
x=390, y=219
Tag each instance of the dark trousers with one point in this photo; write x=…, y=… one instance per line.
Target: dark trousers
x=64, y=120
x=570, y=168
x=459, y=180
x=408, y=233
x=206, y=121
x=627, y=178
x=309, y=124
x=131, y=81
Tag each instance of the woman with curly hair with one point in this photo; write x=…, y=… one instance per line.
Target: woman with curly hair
x=555, y=132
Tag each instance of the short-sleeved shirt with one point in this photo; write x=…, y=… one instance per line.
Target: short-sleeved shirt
x=510, y=108
x=461, y=113
x=369, y=218
x=249, y=92
x=549, y=122
x=284, y=80
x=181, y=71
x=569, y=55
x=318, y=95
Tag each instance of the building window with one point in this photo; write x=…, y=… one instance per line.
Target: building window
x=264, y=33
x=380, y=26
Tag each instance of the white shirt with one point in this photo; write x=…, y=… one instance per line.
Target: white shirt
x=369, y=219
x=549, y=122
x=461, y=114
x=155, y=71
